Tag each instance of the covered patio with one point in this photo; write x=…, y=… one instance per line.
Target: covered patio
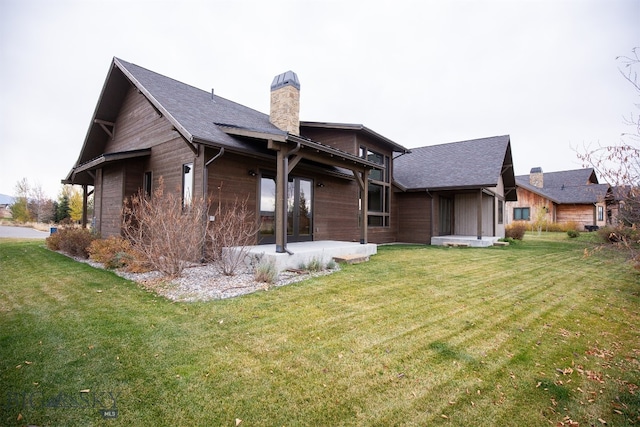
x=302, y=253
x=471, y=241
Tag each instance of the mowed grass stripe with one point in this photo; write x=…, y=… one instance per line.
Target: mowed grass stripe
x=406, y=339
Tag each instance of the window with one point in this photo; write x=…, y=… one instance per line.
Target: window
x=187, y=184
x=379, y=189
x=147, y=184
x=600, y=213
x=500, y=212
x=521, y=214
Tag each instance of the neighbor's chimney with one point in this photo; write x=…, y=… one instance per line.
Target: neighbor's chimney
x=536, y=178
x=285, y=102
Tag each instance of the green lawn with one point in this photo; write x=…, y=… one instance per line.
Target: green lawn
x=528, y=335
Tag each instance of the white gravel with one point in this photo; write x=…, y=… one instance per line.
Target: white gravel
x=203, y=282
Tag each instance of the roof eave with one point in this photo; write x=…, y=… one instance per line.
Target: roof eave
x=358, y=128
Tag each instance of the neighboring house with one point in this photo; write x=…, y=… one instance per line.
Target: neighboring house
x=625, y=205
x=5, y=206
x=564, y=197
x=337, y=181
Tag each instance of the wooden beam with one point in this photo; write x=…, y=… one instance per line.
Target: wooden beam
x=103, y=124
x=356, y=175
x=505, y=168
x=293, y=161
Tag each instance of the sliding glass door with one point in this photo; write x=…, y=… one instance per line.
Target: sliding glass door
x=299, y=209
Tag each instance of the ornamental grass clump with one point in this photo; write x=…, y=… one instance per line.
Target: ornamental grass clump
x=266, y=272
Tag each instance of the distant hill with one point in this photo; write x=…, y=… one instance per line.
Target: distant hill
x=6, y=200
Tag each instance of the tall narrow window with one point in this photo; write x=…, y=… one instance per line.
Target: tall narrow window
x=147, y=184
x=187, y=184
x=600, y=213
x=379, y=189
x=500, y=211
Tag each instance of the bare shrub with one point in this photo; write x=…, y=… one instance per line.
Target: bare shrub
x=231, y=233
x=166, y=235
x=516, y=230
x=72, y=240
x=117, y=252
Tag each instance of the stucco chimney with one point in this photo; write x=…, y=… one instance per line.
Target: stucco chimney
x=536, y=177
x=285, y=102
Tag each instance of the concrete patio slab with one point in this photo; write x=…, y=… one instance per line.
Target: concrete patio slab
x=302, y=253
x=460, y=241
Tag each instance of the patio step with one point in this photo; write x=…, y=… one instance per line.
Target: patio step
x=500, y=243
x=351, y=259
x=456, y=244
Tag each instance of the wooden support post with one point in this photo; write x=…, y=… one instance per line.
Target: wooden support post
x=85, y=196
x=365, y=207
x=282, y=179
x=480, y=215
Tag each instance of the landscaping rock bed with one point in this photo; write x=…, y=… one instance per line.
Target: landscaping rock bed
x=203, y=282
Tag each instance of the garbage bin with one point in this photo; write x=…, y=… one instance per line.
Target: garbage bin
x=53, y=230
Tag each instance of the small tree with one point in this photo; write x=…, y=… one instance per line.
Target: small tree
x=40, y=203
x=62, y=210
x=167, y=236
x=20, y=210
x=619, y=163
x=540, y=219
x=75, y=204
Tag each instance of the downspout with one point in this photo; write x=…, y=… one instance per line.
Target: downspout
x=205, y=181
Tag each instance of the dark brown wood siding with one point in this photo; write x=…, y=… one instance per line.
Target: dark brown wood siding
x=97, y=201
x=335, y=205
x=111, y=200
x=229, y=179
x=336, y=210
x=166, y=161
x=350, y=141
x=414, y=217
x=344, y=140
x=139, y=125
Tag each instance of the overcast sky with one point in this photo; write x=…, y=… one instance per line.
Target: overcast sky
x=418, y=72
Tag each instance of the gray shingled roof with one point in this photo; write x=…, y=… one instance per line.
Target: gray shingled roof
x=200, y=116
x=200, y=111
x=578, y=186
x=467, y=164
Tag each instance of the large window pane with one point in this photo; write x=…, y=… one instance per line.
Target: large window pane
x=267, y=206
x=375, y=198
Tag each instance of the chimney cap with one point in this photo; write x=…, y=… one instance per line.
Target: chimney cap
x=284, y=79
x=536, y=170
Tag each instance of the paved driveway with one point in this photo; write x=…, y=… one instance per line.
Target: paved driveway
x=21, y=232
